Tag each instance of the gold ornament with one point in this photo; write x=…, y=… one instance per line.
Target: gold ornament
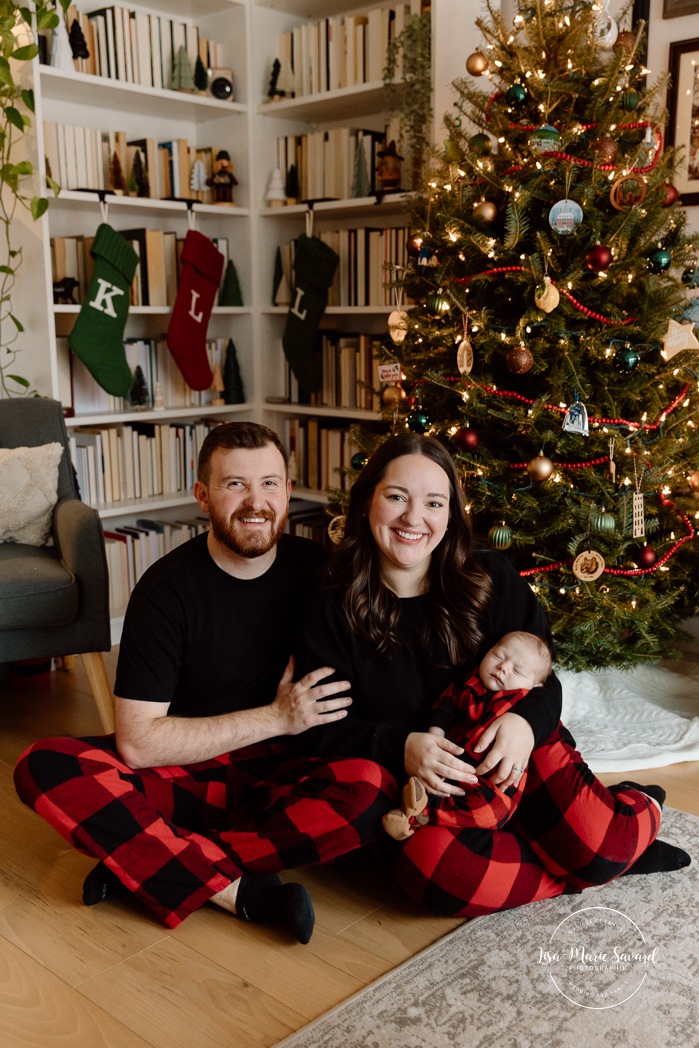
x=398, y=325
x=694, y=481
x=476, y=64
x=627, y=192
x=392, y=396
x=546, y=296
x=678, y=337
x=540, y=468
x=588, y=565
x=485, y=211
x=336, y=529
x=464, y=356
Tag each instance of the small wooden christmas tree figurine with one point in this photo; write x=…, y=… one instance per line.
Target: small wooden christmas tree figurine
x=182, y=77
x=197, y=179
x=232, y=379
x=291, y=187
x=217, y=385
x=116, y=175
x=139, y=395
x=230, y=293
x=201, y=77
x=360, y=178
x=76, y=38
x=140, y=176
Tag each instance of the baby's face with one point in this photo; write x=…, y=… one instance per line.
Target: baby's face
x=511, y=664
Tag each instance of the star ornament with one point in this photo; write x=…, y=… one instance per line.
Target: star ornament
x=678, y=337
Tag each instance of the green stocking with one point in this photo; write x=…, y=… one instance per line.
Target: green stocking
x=98, y=333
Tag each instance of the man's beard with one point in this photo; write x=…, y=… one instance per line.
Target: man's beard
x=248, y=545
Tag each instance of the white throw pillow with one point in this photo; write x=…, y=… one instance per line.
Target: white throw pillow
x=28, y=493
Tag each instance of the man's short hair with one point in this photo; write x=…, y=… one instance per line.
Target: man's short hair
x=231, y=435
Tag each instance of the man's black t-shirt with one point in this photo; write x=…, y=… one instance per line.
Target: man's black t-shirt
x=209, y=643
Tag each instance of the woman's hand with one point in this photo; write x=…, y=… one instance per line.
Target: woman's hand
x=433, y=760
x=510, y=741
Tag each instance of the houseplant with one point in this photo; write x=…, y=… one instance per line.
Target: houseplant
x=19, y=29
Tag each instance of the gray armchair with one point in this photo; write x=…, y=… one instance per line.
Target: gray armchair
x=54, y=600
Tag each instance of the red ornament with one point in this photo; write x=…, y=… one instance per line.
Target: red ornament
x=646, y=557
x=466, y=438
x=598, y=258
x=671, y=194
x=413, y=245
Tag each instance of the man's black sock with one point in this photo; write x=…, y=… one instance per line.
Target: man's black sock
x=265, y=900
x=656, y=792
x=659, y=858
x=99, y=884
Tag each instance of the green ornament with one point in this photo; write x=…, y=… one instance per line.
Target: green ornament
x=660, y=260
x=437, y=304
x=630, y=100
x=480, y=144
x=627, y=360
x=500, y=536
x=418, y=421
x=359, y=460
x=603, y=523
x=516, y=95
x=690, y=277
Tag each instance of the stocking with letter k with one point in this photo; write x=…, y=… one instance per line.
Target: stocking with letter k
x=98, y=333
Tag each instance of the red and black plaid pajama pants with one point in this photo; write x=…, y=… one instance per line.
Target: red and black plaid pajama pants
x=569, y=832
x=176, y=836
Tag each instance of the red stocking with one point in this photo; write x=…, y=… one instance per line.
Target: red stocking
x=200, y=276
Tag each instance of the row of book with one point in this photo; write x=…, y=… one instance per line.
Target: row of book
x=132, y=548
x=349, y=373
x=136, y=460
x=93, y=159
x=340, y=51
x=369, y=260
x=157, y=274
x=318, y=452
x=336, y=164
x=158, y=382
x=138, y=47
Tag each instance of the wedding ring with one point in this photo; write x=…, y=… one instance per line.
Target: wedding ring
x=519, y=769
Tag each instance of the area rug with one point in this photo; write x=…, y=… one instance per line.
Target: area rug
x=614, y=966
x=646, y=717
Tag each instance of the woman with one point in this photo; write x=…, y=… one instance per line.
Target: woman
x=412, y=605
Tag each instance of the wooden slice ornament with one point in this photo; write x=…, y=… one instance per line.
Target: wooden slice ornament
x=464, y=356
x=588, y=565
x=398, y=325
x=336, y=529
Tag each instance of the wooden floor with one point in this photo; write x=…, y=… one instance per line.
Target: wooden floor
x=111, y=977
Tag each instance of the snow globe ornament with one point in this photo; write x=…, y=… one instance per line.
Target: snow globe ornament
x=546, y=139
x=565, y=216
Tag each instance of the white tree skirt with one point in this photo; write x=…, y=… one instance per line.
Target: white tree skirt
x=647, y=717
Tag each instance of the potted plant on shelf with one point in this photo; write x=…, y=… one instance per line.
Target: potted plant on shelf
x=408, y=77
x=19, y=29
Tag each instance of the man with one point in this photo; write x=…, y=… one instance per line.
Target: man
x=202, y=795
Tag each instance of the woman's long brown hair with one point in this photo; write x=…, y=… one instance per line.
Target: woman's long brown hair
x=459, y=589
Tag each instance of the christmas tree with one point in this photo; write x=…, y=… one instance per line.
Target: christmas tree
x=549, y=346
